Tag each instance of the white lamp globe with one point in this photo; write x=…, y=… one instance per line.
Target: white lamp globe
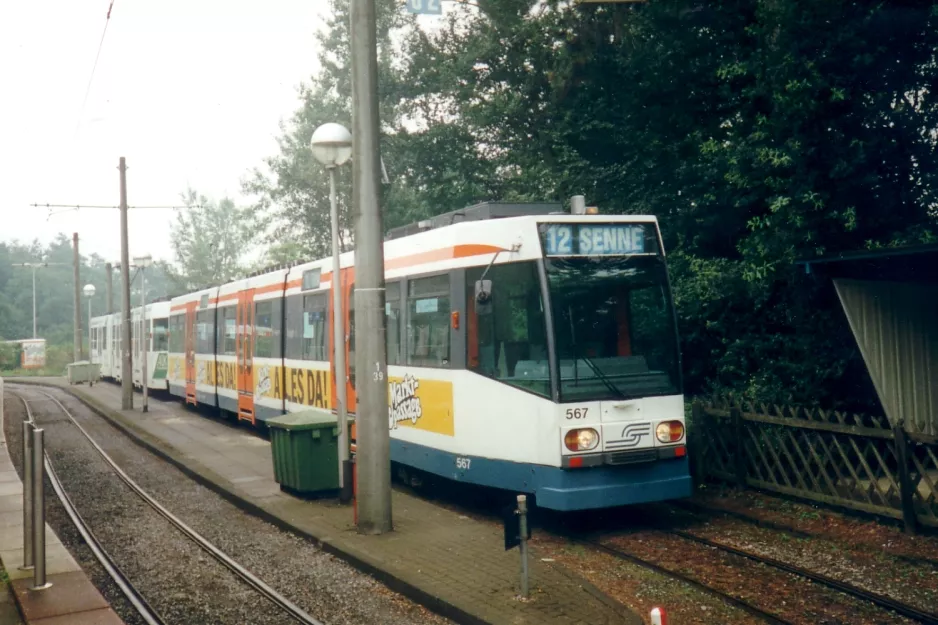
x=88, y=290
x=332, y=145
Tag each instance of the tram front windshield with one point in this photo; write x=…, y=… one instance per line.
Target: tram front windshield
x=613, y=327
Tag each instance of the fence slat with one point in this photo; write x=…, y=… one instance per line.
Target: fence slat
x=820, y=455
x=906, y=489
x=854, y=430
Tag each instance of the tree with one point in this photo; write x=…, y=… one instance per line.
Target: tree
x=55, y=294
x=758, y=131
x=210, y=240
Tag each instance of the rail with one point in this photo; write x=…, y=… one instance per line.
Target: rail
x=216, y=553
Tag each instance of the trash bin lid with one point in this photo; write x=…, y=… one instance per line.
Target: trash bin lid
x=311, y=419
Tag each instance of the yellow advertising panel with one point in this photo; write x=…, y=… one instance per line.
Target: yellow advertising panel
x=420, y=404
x=177, y=367
x=310, y=387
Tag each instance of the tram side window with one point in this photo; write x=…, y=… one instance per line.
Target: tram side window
x=176, y=333
x=428, y=322
x=315, y=345
x=160, y=334
x=392, y=311
x=226, y=330
x=264, y=329
x=205, y=332
x=507, y=340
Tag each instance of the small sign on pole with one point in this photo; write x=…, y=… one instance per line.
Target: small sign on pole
x=425, y=7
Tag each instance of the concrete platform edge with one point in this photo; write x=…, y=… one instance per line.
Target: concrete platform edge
x=215, y=483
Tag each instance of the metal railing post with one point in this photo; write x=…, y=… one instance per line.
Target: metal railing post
x=523, y=526
x=39, y=513
x=27, y=495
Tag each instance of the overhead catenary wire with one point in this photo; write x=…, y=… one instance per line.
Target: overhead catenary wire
x=67, y=208
x=94, y=67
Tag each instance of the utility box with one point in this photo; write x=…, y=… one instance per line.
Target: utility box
x=305, y=451
x=83, y=371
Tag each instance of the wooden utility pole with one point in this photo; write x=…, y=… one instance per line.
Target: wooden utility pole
x=76, y=261
x=127, y=383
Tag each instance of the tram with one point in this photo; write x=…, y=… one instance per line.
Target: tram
x=528, y=349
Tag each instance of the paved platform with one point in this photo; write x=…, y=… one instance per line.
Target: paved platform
x=72, y=599
x=453, y=565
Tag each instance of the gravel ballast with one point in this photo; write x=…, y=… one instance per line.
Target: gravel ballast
x=182, y=582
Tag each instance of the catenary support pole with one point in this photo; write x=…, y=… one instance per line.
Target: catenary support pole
x=35, y=333
x=338, y=342
x=144, y=336
x=109, y=288
x=76, y=259
x=373, y=438
x=127, y=382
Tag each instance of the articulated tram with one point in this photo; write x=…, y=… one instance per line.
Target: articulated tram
x=106, y=334
x=528, y=349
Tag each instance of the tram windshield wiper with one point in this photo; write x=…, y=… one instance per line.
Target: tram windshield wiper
x=603, y=377
x=599, y=374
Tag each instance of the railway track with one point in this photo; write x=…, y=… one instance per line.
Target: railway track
x=136, y=599
x=906, y=610
x=714, y=592
x=126, y=586
x=823, y=580
x=702, y=511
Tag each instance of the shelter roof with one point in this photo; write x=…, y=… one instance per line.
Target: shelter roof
x=914, y=263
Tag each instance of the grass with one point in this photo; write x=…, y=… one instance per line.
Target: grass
x=32, y=373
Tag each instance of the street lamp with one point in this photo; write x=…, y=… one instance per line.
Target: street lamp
x=332, y=146
x=142, y=262
x=34, y=267
x=89, y=290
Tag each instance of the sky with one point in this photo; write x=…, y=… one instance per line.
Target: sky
x=191, y=92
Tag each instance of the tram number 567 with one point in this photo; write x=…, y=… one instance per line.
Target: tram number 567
x=463, y=463
x=576, y=413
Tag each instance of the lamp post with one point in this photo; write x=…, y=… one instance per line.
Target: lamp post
x=142, y=262
x=332, y=146
x=88, y=291
x=34, y=267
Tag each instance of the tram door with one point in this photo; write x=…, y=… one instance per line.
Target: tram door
x=348, y=306
x=244, y=346
x=190, y=352
x=348, y=294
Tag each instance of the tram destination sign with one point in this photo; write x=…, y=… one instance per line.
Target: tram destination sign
x=425, y=7
x=597, y=240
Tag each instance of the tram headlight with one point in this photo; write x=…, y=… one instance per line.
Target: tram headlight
x=669, y=431
x=581, y=440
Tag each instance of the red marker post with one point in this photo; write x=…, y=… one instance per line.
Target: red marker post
x=658, y=616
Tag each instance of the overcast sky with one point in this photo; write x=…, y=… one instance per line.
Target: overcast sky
x=189, y=91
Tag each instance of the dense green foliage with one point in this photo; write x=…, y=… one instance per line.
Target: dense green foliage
x=758, y=131
x=210, y=240
x=55, y=295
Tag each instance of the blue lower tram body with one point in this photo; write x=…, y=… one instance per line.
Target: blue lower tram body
x=556, y=488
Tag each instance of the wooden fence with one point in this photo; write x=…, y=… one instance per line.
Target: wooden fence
x=854, y=461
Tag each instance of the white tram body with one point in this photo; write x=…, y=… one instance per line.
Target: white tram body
x=528, y=349
x=106, y=333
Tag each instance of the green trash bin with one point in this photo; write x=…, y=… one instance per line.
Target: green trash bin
x=305, y=450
